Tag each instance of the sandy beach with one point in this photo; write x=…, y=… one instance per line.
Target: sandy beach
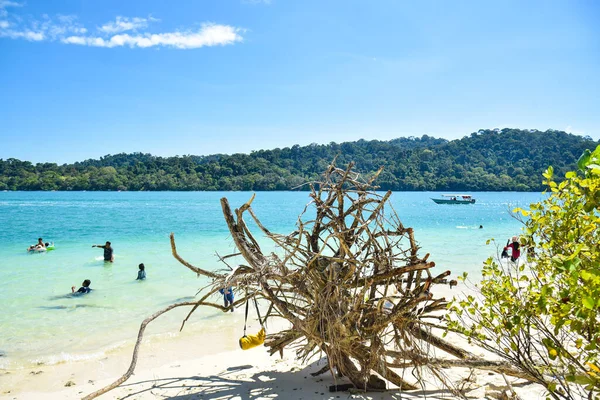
x=206, y=363
x=231, y=374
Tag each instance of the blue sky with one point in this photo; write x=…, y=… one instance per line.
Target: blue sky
x=84, y=78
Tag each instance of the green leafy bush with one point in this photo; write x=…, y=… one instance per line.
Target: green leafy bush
x=542, y=314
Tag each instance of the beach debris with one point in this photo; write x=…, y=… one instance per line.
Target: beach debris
x=500, y=393
x=70, y=383
x=351, y=282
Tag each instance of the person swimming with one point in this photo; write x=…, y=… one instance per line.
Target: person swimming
x=141, y=273
x=38, y=246
x=85, y=287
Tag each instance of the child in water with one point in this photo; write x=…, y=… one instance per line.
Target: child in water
x=85, y=287
x=141, y=273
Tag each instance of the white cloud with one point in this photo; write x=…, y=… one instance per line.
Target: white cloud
x=27, y=35
x=46, y=29
x=207, y=35
x=15, y=27
x=123, y=24
x=4, y=4
x=67, y=30
x=34, y=36
x=74, y=40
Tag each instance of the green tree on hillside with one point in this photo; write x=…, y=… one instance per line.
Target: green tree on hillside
x=510, y=159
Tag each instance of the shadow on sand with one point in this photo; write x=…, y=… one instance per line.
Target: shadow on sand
x=239, y=383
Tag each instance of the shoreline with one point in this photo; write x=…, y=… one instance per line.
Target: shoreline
x=232, y=374
x=207, y=363
x=155, y=352
x=237, y=374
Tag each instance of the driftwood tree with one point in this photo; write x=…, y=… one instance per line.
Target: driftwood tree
x=350, y=282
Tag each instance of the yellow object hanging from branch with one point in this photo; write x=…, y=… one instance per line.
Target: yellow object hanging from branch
x=250, y=341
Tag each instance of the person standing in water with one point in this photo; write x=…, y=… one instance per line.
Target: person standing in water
x=141, y=273
x=515, y=247
x=108, y=251
x=227, y=297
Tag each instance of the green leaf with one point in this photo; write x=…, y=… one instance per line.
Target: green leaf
x=570, y=175
x=584, y=159
x=588, y=302
x=583, y=379
x=594, y=167
x=586, y=276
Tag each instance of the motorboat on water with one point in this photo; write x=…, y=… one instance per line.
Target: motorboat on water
x=455, y=199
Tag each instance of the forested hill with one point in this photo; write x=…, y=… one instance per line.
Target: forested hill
x=510, y=159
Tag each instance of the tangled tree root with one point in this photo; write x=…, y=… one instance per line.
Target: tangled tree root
x=350, y=282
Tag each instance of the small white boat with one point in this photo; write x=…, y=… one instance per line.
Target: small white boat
x=455, y=199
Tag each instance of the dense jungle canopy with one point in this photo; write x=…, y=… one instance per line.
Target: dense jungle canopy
x=487, y=160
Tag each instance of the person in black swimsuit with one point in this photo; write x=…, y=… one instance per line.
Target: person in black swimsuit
x=141, y=273
x=85, y=287
x=108, y=251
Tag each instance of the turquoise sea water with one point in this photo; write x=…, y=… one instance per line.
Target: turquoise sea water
x=40, y=322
